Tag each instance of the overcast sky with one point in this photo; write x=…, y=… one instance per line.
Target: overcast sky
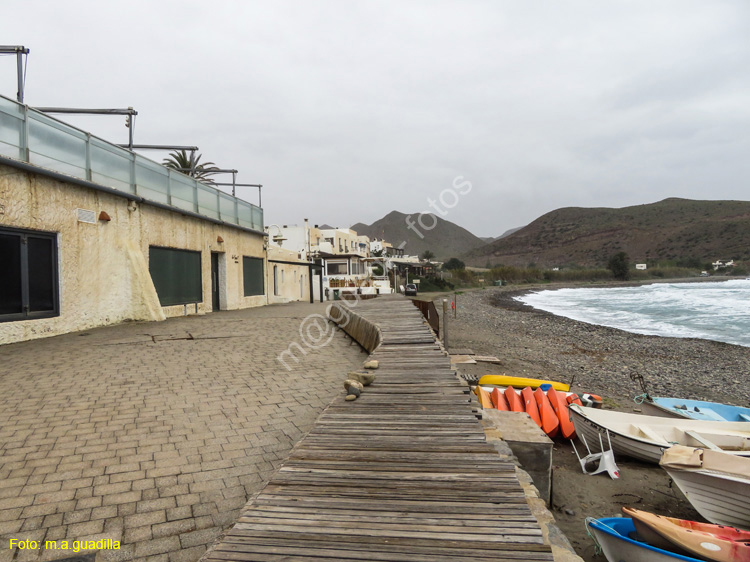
x=347, y=110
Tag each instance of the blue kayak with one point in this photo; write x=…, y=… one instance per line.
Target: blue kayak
x=701, y=410
x=620, y=543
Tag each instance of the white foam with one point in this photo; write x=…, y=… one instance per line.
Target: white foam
x=716, y=311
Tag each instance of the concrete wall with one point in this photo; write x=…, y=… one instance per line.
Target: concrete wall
x=293, y=281
x=103, y=267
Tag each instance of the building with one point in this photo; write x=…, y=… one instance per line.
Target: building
x=93, y=234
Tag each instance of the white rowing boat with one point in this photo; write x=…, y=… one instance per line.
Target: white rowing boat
x=644, y=437
x=716, y=484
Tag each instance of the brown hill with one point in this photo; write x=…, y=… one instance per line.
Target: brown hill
x=673, y=229
x=445, y=240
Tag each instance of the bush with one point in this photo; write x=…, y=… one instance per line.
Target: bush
x=619, y=265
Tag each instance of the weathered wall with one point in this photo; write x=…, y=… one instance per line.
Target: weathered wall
x=293, y=281
x=103, y=267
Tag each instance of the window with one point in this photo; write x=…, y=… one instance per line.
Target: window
x=252, y=276
x=336, y=269
x=28, y=277
x=176, y=275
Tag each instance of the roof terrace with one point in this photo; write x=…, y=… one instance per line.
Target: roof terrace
x=32, y=137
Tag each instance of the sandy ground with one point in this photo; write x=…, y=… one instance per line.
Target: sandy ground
x=599, y=360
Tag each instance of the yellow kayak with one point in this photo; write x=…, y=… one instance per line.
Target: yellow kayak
x=521, y=382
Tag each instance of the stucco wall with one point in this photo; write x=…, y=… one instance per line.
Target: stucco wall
x=288, y=277
x=103, y=267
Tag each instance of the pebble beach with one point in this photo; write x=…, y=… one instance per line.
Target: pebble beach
x=600, y=360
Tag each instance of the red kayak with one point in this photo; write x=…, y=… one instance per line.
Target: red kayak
x=547, y=415
x=529, y=402
x=559, y=403
x=498, y=400
x=514, y=400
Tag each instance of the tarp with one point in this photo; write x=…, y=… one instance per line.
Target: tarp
x=693, y=459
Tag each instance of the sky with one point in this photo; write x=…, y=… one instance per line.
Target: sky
x=347, y=110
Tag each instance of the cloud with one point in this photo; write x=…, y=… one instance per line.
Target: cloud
x=345, y=111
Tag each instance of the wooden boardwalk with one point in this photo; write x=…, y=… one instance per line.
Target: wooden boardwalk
x=402, y=473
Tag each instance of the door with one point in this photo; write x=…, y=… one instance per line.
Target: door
x=215, y=301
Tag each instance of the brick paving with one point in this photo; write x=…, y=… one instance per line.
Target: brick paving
x=154, y=434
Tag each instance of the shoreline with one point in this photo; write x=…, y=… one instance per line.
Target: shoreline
x=534, y=343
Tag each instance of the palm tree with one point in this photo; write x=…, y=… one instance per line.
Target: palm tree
x=427, y=256
x=190, y=165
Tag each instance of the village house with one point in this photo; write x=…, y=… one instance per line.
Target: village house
x=94, y=234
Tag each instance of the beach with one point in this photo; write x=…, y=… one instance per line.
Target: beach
x=600, y=360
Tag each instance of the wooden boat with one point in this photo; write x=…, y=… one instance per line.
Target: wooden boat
x=715, y=483
x=498, y=400
x=529, y=404
x=619, y=541
x=547, y=415
x=696, y=409
x=643, y=437
x=559, y=404
x=717, y=543
x=521, y=382
x=515, y=404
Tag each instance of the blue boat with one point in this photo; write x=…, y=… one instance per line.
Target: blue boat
x=617, y=538
x=699, y=409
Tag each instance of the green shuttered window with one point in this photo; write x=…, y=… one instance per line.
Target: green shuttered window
x=176, y=275
x=252, y=276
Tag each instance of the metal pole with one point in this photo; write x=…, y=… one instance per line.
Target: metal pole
x=260, y=204
x=234, y=181
x=19, y=61
x=445, y=324
x=131, y=127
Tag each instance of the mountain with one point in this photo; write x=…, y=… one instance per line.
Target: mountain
x=445, y=239
x=673, y=229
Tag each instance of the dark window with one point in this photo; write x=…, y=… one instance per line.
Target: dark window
x=252, y=276
x=176, y=275
x=28, y=276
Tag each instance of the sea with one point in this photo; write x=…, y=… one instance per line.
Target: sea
x=717, y=311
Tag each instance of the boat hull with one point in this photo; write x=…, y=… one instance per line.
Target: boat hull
x=719, y=499
x=612, y=534
x=655, y=433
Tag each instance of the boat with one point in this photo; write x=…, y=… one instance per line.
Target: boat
x=559, y=404
x=484, y=398
x=547, y=415
x=716, y=484
x=618, y=540
x=717, y=543
x=643, y=437
x=695, y=409
x=529, y=404
x=514, y=400
x=521, y=382
x=498, y=400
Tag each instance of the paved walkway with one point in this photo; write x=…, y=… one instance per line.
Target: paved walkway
x=156, y=434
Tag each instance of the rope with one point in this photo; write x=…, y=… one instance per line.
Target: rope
x=640, y=398
x=597, y=546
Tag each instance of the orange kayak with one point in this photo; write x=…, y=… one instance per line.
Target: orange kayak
x=559, y=404
x=529, y=402
x=514, y=400
x=484, y=398
x=710, y=542
x=547, y=415
x=498, y=400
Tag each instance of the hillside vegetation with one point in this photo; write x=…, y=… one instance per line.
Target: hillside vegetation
x=445, y=240
x=676, y=230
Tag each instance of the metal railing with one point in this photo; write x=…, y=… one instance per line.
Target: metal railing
x=33, y=137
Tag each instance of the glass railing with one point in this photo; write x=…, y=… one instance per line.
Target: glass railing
x=34, y=137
